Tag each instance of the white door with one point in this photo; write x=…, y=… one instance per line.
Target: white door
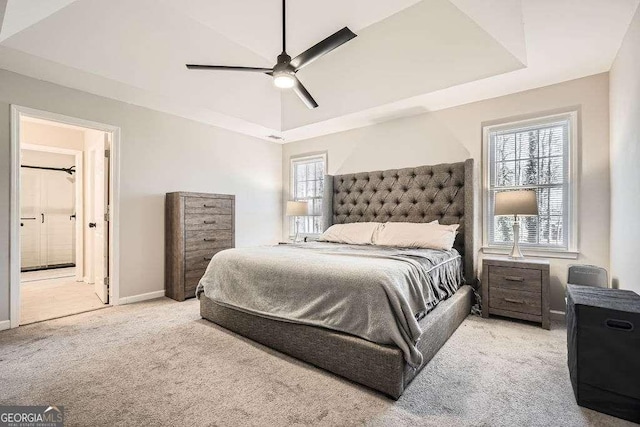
x=98, y=227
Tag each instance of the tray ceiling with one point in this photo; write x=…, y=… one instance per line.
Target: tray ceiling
x=408, y=54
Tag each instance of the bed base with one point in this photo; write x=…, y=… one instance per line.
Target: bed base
x=380, y=367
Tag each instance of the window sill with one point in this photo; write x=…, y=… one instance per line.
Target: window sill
x=536, y=253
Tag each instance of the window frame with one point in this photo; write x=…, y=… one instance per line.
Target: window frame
x=292, y=186
x=571, y=250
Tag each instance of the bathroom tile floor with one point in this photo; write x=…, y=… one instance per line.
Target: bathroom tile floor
x=54, y=297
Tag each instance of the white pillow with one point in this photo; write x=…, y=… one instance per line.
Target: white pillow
x=357, y=233
x=417, y=235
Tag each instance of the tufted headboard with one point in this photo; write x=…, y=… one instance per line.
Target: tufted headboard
x=421, y=194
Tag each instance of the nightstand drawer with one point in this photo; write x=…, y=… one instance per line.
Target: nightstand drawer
x=517, y=301
x=521, y=279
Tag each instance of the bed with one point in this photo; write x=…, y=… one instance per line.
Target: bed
x=388, y=350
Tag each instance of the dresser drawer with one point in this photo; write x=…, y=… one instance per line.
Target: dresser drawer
x=207, y=206
x=191, y=280
x=207, y=222
x=522, y=279
x=199, y=260
x=207, y=239
x=196, y=263
x=516, y=301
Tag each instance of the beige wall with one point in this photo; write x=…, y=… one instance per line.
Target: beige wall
x=159, y=153
x=456, y=134
x=625, y=160
x=51, y=136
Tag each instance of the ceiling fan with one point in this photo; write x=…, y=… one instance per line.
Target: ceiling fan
x=284, y=72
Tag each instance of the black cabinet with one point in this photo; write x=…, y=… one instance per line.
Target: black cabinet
x=603, y=343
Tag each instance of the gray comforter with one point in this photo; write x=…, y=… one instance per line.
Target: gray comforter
x=376, y=293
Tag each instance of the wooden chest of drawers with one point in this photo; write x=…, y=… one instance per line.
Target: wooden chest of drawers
x=197, y=226
x=516, y=288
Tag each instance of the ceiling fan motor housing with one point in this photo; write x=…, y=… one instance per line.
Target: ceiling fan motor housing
x=283, y=65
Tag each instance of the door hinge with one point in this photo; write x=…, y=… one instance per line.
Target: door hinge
x=107, y=153
x=106, y=214
x=106, y=282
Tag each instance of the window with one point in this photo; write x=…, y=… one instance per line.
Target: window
x=535, y=154
x=307, y=184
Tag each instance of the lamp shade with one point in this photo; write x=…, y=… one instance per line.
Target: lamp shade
x=521, y=202
x=297, y=208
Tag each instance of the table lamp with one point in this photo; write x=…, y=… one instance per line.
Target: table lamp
x=297, y=209
x=516, y=203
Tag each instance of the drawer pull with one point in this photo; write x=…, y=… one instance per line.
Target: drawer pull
x=208, y=258
x=209, y=222
x=514, y=301
x=514, y=278
x=209, y=206
x=620, y=325
x=207, y=239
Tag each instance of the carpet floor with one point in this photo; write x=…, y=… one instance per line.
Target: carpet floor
x=158, y=363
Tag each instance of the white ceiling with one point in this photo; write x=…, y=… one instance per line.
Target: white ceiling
x=23, y=14
x=429, y=46
x=257, y=25
x=410, y=56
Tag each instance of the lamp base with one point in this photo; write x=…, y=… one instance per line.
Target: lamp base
x=295, y=239
x=515, y=251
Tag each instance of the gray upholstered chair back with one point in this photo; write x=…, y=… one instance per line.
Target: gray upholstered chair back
x=588, y=275
x=421, y=194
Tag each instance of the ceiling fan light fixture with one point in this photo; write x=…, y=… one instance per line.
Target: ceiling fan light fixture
x=284, y=80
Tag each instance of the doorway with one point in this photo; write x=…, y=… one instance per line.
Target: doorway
x=63, y=216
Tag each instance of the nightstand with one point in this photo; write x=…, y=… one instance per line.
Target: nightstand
x=516, y=288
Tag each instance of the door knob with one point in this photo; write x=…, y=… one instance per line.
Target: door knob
x=92, y=225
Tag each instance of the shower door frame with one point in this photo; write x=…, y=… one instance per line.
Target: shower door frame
x=79, y=198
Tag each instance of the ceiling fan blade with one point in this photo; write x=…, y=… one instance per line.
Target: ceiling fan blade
x=228, y=68
x=335, y=40
x=304, y=95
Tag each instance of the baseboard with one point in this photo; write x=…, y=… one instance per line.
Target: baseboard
x=557, y=315
x=141, y=297
x=5, y=324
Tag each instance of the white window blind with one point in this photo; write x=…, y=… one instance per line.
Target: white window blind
x=534, y=156
x=307, y=184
